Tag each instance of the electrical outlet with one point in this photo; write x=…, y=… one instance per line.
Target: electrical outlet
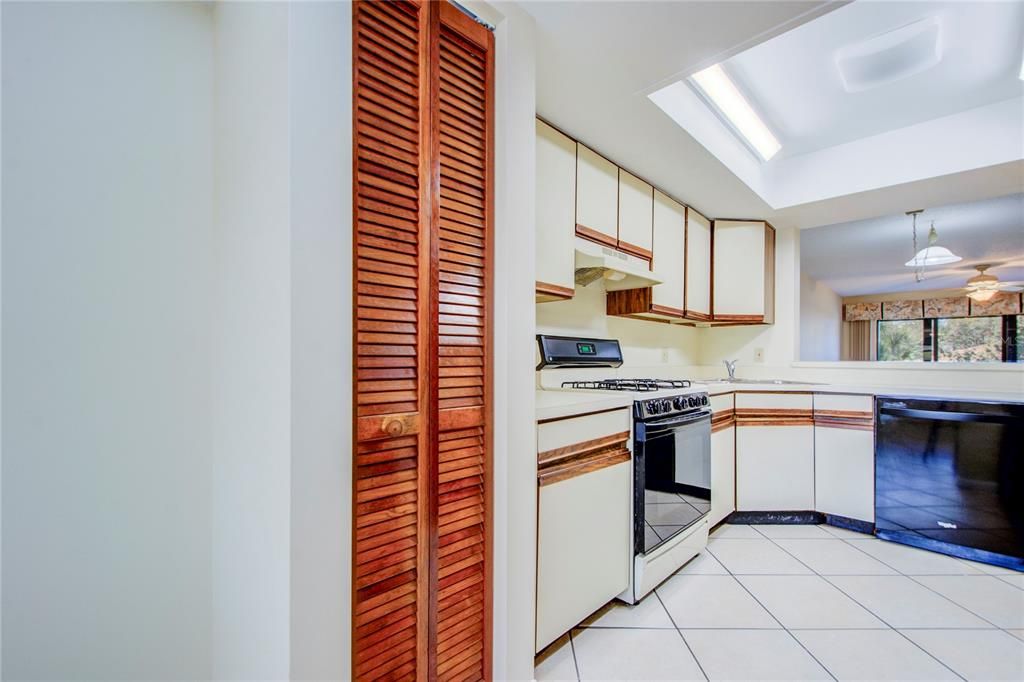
x=759, y=355
x=664, y=355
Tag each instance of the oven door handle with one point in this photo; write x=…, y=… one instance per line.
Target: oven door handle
x=655, y=428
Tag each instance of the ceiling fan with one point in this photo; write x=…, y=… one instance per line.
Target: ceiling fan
x=983, y=286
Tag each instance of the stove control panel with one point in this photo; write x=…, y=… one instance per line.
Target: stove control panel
x=667, y=407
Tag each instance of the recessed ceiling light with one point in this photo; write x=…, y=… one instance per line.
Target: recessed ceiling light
x=891, y=56
x=716, y=85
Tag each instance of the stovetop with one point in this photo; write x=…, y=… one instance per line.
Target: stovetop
x=635, y=385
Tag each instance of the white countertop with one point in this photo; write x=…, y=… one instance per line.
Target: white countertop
x=556, y=404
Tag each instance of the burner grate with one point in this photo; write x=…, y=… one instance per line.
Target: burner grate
x=628, y=384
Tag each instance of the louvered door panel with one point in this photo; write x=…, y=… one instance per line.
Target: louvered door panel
x=423, y=113
x=389, y=312
x=463, y=344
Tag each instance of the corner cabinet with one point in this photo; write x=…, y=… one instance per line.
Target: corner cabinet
x=555, y=214
x=743, y=272
x=774, y=451
x=844, y=455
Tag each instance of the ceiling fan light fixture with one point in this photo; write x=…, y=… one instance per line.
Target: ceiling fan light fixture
x=982, y=294
x=933, y=255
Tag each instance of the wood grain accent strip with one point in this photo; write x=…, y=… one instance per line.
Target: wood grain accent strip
x=772, y=413
x=593, y=235
x=853, y=424
x=744, y=319
x=779, y=421
x=575, y=415
x=579, y=467
x=583, y=449
x=554, y=291
x=844, y=414
x=722, y=419
x=387, y=426
x=697, y=317
x=634, y=250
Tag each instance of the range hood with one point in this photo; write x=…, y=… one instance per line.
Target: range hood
x=616, y=269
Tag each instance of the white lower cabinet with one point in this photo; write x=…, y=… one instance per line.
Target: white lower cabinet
x=583, y=547
x=774, y=467
x=844, y=472
x=723, y=474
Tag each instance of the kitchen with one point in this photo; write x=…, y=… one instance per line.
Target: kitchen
x=500, y=340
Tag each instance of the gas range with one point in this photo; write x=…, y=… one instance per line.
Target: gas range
x=668, y=402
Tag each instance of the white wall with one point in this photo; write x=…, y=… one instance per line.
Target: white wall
x=107, y=263
x=319, y=73
x=821, y=320
x=252, y=344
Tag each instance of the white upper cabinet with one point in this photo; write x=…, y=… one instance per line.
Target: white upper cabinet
x=636, y=215
x=597, y=192
x=669, y=246
x=698, y=265
x=743, y=271
x=556, y=211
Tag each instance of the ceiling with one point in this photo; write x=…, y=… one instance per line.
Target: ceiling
x=598, y=61
x=868, y=256
x=793, y=79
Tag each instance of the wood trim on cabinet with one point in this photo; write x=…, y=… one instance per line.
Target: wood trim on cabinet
x=746, y=319
x=837, y=423
x=722, y=419
x=637, y=303
x=633, y=250
x=666, y=310
x=595, y=236
x=844, y=414
x=579, y=467
x=582, y=449
x=749, y=416
x=554, y=291
x=697, y=317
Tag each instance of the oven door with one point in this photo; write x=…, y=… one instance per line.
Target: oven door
x=672, y=484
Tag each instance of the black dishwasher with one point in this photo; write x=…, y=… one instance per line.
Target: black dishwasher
x=949, y=476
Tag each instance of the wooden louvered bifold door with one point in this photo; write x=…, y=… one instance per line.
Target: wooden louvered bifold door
x=423, y=80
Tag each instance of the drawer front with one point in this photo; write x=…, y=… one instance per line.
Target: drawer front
x=775, y=401
x=837, y=404
x=561, y=433
x=721, y=403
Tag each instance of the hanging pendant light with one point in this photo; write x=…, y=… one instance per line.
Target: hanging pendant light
x=933, y=254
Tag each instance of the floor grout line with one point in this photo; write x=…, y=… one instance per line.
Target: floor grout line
x=825, y=578
x=681, y=636
x=575, y=661
x=774, y=617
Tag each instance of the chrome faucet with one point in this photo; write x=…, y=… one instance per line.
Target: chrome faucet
x=730, y=366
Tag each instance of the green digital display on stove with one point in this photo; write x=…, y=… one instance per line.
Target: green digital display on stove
x=586, y=349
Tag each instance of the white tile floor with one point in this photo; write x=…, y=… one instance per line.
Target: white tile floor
x=806, y=603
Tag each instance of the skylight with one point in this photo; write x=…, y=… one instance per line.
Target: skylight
x=716, y=85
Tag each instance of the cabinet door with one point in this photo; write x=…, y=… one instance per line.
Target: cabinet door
x=739, y=271
x=669, y=246
x=698, y=265
x=844, y=472
x=597, y=192
x=636, y=215
x=583, y=548
x=556, y=208
x=723, y=474
x=774, y=468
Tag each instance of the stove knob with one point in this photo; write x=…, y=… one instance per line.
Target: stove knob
x=653, y=406
x=666, y=405
x=691, y=402
x=703, y=400
x=679, y=403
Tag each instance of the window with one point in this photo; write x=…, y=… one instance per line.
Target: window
x=900, y=340
x=952, y=339
x=970, y=339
